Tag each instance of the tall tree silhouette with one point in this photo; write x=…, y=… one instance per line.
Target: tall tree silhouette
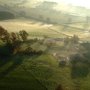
x=4, y=35
x=13, y=37
x=23, y=35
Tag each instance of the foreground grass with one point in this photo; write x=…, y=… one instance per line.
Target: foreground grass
x=25, y=73
x=38, y=73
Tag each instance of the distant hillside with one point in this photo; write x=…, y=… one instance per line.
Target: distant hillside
x=4, y=15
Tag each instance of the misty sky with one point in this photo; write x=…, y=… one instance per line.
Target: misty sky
x=84, y=3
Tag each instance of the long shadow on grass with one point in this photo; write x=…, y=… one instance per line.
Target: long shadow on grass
x=80, y=70
x=16, y=60
x=81, y=65
x=5, y=54
x=4, y=61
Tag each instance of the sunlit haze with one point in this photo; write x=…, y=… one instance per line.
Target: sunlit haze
x=83, y=3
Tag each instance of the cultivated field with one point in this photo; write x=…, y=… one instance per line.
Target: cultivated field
x=39, y=29
x=44, y=72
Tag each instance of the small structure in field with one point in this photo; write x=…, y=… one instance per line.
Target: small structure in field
x=62, y=59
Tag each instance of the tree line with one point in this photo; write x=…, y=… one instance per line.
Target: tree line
x=13, y=42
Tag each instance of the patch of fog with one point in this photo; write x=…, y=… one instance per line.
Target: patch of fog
x=17, y=25
x=35, y=28
x=47, y=25
x=87, y=33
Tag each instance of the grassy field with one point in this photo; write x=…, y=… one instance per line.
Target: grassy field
x=42, y=72
x=25, y=73
x=38, y=73
x=39, y=29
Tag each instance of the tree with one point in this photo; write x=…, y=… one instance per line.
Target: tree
x=75, y=39
x=23, y=35
x=13, y=37
x=66, y=40
x=4, y=35
x=18, y=36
